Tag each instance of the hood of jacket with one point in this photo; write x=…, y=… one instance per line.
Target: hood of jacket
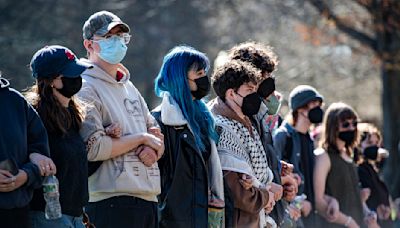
x=171, y=114
x=97, y=72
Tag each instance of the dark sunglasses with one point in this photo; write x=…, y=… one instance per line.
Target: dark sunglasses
x=348, y=123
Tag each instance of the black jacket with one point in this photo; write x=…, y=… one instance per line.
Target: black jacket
x=70, y=157
x=22, y=133
x=183, y=201
x=274, y=164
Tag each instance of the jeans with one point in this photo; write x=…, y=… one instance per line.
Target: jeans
x=123, y=211
x=14, y=218
x=38, y=220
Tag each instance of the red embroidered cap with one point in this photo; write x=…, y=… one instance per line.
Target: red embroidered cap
x=52, y=61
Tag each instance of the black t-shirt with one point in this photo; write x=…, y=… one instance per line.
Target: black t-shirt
x=369, y=178
x=70, y=157
x=307, y=164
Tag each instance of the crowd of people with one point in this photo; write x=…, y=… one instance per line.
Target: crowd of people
x=232, y=161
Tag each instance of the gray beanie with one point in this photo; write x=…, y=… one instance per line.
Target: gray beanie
x=303, y=94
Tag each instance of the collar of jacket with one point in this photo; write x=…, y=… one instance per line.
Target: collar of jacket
x=218, y=107
x=289, y=128
x=263, y=112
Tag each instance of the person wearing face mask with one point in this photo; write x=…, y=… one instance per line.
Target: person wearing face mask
x=124, y=185
x=192, y=192
x=265, y=121
x=335, y=173
x=293, y=143
x=57, y=72
x=239, y=147
x=372, y=153
x=264, y=59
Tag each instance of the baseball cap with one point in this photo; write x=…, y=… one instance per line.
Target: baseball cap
x=55, y=60
x=101, y=23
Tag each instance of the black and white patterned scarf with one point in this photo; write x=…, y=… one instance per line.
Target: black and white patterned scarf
x=236, y=140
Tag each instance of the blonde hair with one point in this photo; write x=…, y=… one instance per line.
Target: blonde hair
x=368, y=129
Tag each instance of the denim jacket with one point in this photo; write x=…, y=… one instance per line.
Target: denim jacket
x=280, y=140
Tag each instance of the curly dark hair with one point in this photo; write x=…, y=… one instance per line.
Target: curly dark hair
x=232, y=75
x=258, y=54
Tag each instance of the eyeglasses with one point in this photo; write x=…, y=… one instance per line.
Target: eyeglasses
x=125, y=36
x=347, y=124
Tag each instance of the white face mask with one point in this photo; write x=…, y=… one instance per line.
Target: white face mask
x=112, y=50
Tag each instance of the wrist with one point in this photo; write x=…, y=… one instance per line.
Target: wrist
x=144, y=139
x=135, y=140
x=22, y=177
x=348, y=221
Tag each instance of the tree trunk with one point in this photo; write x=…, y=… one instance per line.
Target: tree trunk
x=391, y=127
x=388, y=47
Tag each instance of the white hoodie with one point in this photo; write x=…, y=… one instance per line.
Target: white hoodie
x=113, y=101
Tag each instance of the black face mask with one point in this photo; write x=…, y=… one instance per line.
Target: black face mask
x=70, y=86
x=251, y=104
x=203, y=87
x=371, y=152
x=266, y=88
x=347, y=136
x=315, y=115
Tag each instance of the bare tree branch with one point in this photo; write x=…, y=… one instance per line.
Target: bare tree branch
x=324, y=10
x=367, y=4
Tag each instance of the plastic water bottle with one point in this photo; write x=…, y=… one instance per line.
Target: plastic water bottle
x=51, y=195
x=298, y=201
x=288, y=222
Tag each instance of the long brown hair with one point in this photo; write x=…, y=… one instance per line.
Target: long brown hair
x=293, y=115
x=56, y=118
x=334, y=115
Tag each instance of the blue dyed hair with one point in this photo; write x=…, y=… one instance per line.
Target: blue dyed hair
x=173, y=78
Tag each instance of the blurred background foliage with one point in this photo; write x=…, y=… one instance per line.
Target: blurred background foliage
x=347, y=49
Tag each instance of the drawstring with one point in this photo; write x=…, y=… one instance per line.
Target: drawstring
x=4, y=82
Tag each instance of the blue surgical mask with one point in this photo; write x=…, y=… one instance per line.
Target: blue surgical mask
x=112, y=50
